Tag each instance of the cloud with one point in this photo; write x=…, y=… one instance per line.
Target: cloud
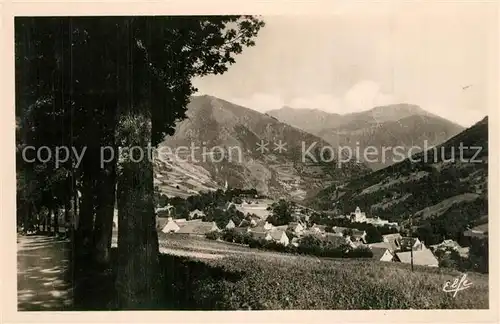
x=323, y=102
x=261, y=102
x=369, y=55
x=362, y=96
x=365, y=95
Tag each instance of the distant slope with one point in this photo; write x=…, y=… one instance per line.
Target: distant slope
x=402, y=125
x=411, y=134
x=235, y=130
x=309, y=120
x=428, y=188
x=382, y=114
x=315, y=120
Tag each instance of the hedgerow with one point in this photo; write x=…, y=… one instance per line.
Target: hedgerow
x=308, y=245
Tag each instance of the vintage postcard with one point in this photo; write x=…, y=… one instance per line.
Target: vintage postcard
x=298, y=159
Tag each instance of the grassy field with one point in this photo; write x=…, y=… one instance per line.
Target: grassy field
x=204, y=274
x=245, y=278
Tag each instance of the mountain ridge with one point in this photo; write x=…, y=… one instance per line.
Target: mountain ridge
x=403, y=125
x=444, y=195
x=213, y=122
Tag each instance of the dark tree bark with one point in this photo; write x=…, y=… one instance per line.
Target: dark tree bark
x=138, y=252
x=27, y=216
x=106, y=181
x=104, y=215
x=86, y=216
x=55, y=212
x=67, y=215
x=85, y=220
x=50, y=222
x=46, y=222
x=75, y=205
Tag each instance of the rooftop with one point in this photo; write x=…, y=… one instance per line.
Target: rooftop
x=259, y=235
x=276, y=235
x=483, y=228
x=378, y=252
x=334, y=239
x=382, y=245
x=423, y=257
x=338, y=229
x=392, y=236
x=196, y=227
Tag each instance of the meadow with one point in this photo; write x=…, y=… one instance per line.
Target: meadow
x=241, y=278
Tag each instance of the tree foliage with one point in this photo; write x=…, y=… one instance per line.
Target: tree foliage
x=97, y=81
x=281, y=212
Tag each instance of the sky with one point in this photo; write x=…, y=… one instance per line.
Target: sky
x=363, y=56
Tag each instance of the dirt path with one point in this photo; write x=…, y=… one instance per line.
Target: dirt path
x=43, y=281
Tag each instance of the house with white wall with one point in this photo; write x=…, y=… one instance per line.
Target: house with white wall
x=382, y=254
x=280, y=237
x=171, y=226
x=296, y=227
x=230, y=224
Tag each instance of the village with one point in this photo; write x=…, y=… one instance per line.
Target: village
x=393, y=247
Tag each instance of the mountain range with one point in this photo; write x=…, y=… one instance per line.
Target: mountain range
x=246, y=149
x=399, y=125
x=446, y=186
x=242, y=150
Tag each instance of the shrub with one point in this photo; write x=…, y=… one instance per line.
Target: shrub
x=274, y=246
x=360, y=252
x=259, y=243
x=292, y=249
x=309, y=245
x=245, y=238
x=212, y=235
x=228, y=235
x=239, y=237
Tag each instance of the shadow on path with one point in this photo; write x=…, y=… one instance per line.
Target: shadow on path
x=43, y=278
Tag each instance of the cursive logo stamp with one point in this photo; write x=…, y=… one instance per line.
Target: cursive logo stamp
x=460, y=283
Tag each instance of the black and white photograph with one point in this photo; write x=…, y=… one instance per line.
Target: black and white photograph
x=255, y=162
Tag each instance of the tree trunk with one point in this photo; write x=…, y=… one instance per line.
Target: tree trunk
x=67, y=215
x=106, y=183
x=75, y=205
x=46, y=222
x=85, y=226
x=39, y=222
x=55, y=211
x=49, y=221
x=27, y=218
x=138, y=253
x=104, y=216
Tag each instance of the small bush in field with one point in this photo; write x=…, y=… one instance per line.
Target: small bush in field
x=240, y=238
x=228, y=235
x=212, y=235
x=292, y=249
x=247, y=238
x=274, y=246
x=360, y=252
